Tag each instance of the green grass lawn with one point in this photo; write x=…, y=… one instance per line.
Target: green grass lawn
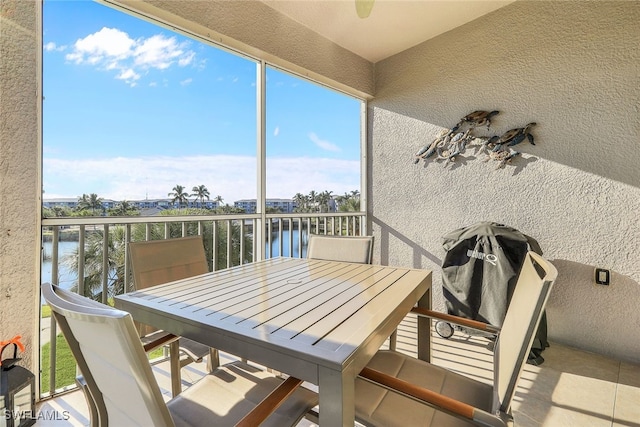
x=65, y=366
x=45, y=311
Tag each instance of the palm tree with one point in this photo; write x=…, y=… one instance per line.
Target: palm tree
x=218, y=199
x=350, y=205
x=92, y=201
x=200, y=192
x=179, y=196
x=313, y=197
x=301, y=202
x=326, y=197
x=93, y=262
x=124, y=208
x=323, y=201
x=83, y=203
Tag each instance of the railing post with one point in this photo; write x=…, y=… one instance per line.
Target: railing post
x=81, y=235
x=280, y=242
x=229, y=243
x=300, y=227
x=242, y=248
x=268, y=239
x=127, y=262
x=214, y=244
x=105, y=263
x=54, y=255
x=291, y=238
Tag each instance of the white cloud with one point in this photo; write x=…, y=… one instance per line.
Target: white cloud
x=186, y=59
x=158, y=52
x=107, y=43
x=325, y=145
x=113, y=49
x=232, y=177
x=186, y=81
x=276, y=131
x=51, y=46
x=129, y=76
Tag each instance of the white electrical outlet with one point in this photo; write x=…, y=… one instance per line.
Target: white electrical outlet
x=602, y=276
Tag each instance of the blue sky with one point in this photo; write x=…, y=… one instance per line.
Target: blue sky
x=131, y=109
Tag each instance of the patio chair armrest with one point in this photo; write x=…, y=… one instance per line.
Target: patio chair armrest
x=469, y=323
x=433, y=399
x=270, y=403
x=156, y=340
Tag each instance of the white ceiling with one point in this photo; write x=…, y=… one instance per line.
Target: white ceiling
x=392, y=26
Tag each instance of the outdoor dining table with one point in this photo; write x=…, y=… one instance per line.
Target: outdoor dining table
x=320, y=321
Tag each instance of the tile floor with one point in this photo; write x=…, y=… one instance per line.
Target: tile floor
x=571, y=388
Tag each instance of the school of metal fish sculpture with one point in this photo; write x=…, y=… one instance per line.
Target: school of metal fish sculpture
x=451, y=143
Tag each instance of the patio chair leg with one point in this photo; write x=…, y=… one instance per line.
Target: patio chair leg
x=213, y=361
x=174, y=361
x=393, y=338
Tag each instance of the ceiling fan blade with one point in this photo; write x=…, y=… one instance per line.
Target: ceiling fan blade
x=363, y=7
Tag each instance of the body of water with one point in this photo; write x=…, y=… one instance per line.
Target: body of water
x=286, y=251
x=66, y=278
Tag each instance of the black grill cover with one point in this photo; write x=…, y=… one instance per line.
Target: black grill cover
x=480, y=270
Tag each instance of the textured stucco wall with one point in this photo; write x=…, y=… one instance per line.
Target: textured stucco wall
x=573, y=67
x=19, y=202
x=259, y=30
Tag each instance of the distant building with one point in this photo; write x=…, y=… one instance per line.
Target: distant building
x=249, y=205
x=62, y=202
x=72, y=203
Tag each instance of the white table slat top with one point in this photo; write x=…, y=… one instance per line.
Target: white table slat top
x=319, y=311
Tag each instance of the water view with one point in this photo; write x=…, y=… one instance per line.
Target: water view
x=66, y=277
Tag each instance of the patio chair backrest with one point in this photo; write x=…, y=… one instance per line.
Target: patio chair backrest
x=108, y=351
x=529, y=298
x=341, y=248
x=162, y=261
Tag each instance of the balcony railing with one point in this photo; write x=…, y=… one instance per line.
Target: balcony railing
x=98, y=265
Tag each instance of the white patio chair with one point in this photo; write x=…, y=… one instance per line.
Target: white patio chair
x=161, y=261
x=123, y=390
x=340, y=248
x=439, y=397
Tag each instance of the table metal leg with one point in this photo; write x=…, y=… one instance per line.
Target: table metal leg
x=174, y=361
x=337, y=398
x=424, y=329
